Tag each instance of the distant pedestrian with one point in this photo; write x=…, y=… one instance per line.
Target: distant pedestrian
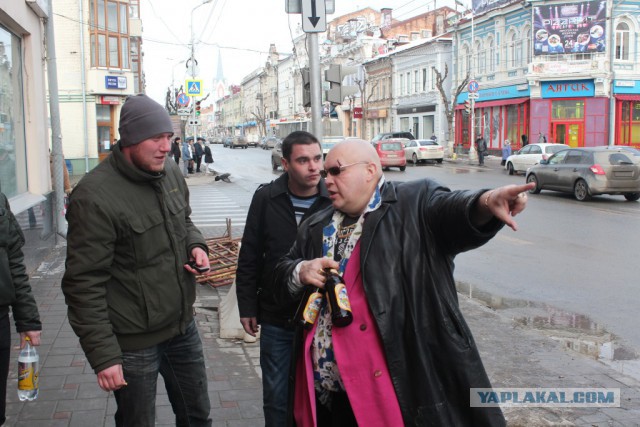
x=199, y=152
x=208, y=158
x=506, y=151
x=15, y=293
x=481, y=146
x=541, y=138
x=434, y=138
x=186, y=158
x=175, y=150
x=525, y=140
x=129, y=282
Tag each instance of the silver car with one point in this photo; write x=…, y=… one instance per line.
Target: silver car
x=586, y=172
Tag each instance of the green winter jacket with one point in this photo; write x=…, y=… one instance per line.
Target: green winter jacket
x=129, y=236
x=15, y=290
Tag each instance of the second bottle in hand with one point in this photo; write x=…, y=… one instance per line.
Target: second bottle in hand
x=341, y=314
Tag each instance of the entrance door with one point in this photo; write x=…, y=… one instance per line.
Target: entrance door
x=568, y=133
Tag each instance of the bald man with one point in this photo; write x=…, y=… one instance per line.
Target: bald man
x=408, y=357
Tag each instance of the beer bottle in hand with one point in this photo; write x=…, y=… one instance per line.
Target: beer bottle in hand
x=312, y=302
x=338, y=300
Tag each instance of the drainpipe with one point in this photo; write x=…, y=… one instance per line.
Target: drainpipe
x=56, y=133
x=83, y=80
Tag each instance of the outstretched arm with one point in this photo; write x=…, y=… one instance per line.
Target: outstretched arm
x=503, y=203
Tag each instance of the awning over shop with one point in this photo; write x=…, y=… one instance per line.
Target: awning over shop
x=628, y=97
x=496, y=103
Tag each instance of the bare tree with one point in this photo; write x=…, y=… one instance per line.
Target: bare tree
x=449, y=104
x=364, y=101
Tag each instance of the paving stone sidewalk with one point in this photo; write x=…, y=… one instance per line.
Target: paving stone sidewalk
x=515, y=356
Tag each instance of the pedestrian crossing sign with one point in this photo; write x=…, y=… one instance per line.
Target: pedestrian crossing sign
x=194, y=87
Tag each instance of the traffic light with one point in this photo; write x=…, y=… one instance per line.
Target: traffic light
x=198, y=108
x=306, y=87
x=335, y=75
x=467, y=106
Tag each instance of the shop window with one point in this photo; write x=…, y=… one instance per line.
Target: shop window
x=492, y=55
x=13, y=163
x=109, y=33
x=622, y=41
x=567, y=109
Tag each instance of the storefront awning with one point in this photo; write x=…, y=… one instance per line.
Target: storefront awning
x=628, y=97
x=497, y=102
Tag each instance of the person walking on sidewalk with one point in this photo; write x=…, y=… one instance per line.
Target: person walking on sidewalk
x=129, y=283
x=506, y=151
x=208, y=158
x=199, y=152
x=175, y=150
x=481, y=146
x=187, y=158
x=408, y=357
x=275, y=212
x=15, y=292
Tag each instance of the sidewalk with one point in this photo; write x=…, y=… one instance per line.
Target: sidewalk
x=514, y=356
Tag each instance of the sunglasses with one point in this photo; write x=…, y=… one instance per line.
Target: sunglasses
x=336, y=170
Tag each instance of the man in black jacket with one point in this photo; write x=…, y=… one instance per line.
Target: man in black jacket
x=199, y=152
x=408, y=357
x=15, y=292
x=276, y=211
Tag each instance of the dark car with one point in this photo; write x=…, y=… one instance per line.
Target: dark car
x=226, y=141
x=392, y=135
x=276, y=156
x=239, y=141
x=586, y=172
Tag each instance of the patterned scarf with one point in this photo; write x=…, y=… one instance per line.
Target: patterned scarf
x=330, y=232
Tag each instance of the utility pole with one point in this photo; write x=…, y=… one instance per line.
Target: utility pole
x=472, y=148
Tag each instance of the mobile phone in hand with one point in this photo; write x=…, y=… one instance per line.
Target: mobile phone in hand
x=199, y=269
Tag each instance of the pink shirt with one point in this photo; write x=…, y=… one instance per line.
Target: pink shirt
x=361, y=360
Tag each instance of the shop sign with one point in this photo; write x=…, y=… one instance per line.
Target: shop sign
x=626, y=87
x=493, y=94
x=570, y=28
x=109, y=100
x=563, y=67
x=357, y=112
x=115, y=82
x=568, y=89
x=376, y=114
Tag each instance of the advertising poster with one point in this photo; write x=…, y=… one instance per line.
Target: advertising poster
x=569, y=28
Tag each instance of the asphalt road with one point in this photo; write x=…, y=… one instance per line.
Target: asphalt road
x=580, y=258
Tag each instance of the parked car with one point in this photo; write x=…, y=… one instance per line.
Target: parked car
x=587, y=172
x=252, y=140
x=216, y=140
x=276, y=156
x=392, y=135
x=270, y=142
x=328, y=142
x=391, y=154
x=239, y=141
x=632, y=150
x=530, y=155
x=226, y=141
x=420, y=150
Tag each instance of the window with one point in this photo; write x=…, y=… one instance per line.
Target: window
x=622, y=41
x=104, y=122
x=527, y=45
x=13, y=162
x=492, y=55
x=432, y=86
x=109, y=39
x=416, y=81
x=424, y=79
x=409, y=88
x=479, y=65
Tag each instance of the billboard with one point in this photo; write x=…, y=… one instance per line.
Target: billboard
x=569, y=28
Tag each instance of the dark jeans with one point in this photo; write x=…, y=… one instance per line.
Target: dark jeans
x=180, y=361
x=275, y=355
x=481, y=157
x=5, y=353
x=198, y=162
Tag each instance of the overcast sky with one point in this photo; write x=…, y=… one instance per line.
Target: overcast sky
x=241, y=30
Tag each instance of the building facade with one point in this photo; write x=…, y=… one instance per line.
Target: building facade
x=98, y=45
x=25, y=176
